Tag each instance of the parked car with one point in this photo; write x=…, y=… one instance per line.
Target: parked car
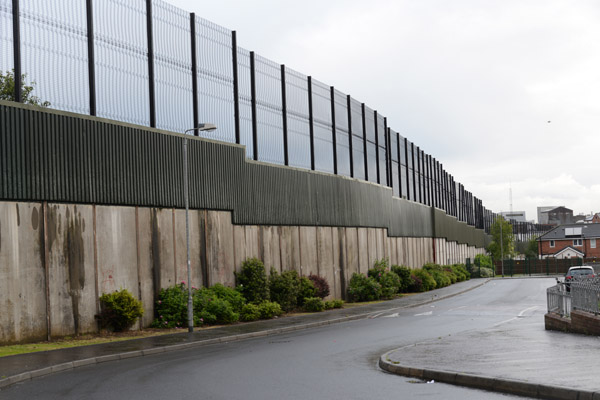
x=578, y=273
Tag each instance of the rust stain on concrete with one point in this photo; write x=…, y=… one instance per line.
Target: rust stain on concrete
x=74, y=254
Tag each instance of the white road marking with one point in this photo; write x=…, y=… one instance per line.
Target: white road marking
x=520, y=315
x=394, y=315
x=425, y=313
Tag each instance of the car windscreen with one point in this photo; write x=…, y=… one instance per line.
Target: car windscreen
x=576, y=272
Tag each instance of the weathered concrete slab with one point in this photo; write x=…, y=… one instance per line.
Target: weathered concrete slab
x=71, y=269
x=22, y=274
x=326, y=254
x=239, y=246
x=338, y=242
x=219, y=248
x=196, y=244
x=308, y=250
x=270, y=247
x=116, y=248
x=352, y=250
x=363, y=251
x=147, y=283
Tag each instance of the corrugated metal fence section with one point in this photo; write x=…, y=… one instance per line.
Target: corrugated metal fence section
x=55, y=156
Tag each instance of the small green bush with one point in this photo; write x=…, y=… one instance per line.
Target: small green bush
x=320, y=284
x=119, y=310
x=461, y=272
x=483, y=260
x=378, y=269
x=438, y=274
x=486, y=272
x=363, y=288
x=171, y=307
x=428, y=283
x=314, y=304
x=405, y=277
x=250, y=312
x=330, y=304
x=218, y=311
x=307, y=289
x=416, y=284
x=390, y=284
x=252, y=281
x=269, y=309
x=233, y=296
x=284, y=289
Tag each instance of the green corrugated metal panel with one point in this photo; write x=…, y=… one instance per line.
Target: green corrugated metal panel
x=62, y=157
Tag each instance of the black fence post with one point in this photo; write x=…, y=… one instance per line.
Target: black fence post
x=412, y=154
x=376, y=147
x=17, y=51
x=333, y=134
x=364, y=139
x=286, y=158
x=91, y=55
x=152, y=96
x=388, y=153
x=253, y=104
x=236, y=86
x=348, y=107
x=311, y=125
x=407, y=171
x=398, y=147
x=194, y=70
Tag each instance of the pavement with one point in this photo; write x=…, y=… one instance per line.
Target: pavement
x=463, y=360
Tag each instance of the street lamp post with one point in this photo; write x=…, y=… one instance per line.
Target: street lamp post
x=199, y=128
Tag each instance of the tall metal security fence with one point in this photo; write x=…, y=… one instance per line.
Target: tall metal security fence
x=149, y=63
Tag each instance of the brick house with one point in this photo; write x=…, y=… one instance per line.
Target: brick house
x=575, y=240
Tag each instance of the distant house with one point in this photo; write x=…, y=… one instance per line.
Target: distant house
x=574, y=240
x=555, y=215
x=596, y=219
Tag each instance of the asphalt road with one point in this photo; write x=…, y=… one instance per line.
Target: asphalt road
x=334, y=362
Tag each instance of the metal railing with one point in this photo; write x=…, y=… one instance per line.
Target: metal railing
x=559, y=300
x=586, y=295
x=582, y=295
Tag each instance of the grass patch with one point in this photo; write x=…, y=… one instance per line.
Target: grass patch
x=82, y=340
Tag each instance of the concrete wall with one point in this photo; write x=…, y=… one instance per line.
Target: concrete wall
x=57, y=259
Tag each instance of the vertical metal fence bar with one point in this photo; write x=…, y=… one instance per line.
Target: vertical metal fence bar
x=286, y=159
x=91, y=56
x=196, y=118
x=152, y=100
x=348, y=105
x=412, y=154
x=389, y=156
x=17, y=51
x=311, y=124
x=377, y=146
x=253, y=105
x=398, y=147
x=406, y=169
x=236, y=87
x=364, y=139
x=333, y=134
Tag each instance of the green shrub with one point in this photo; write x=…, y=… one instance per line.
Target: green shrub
x=119, y=310
x=233, y=296
x=330, y=304
x=486, y=272
x=428, y=283
x=171, y=307
x=320, y=284
x=461, y=272
x=269, y=309
x=439, y=275
x=314, y=304
x=390, y=284
x=284, y=289
x=250, y=312
x=404, y=273
x=416, y=284
x=363, y=288
x=307, y=289
x=218, y=311
x=252, y=281
x=378, y=269
x=483, y=260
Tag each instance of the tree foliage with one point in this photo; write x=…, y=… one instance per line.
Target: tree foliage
x=7, y=89
x=503, y=240
x=532, y=248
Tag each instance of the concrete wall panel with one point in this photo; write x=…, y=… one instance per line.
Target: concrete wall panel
x=22, y=274
x=308, y=250
x=372, y=247
x=146, y=283
x=352, y=254
x=334, y=285
x=326, y=257
x=219, y=248
x=363, y=250
x=72, y=282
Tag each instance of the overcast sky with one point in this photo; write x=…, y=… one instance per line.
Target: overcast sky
x=505, y=93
